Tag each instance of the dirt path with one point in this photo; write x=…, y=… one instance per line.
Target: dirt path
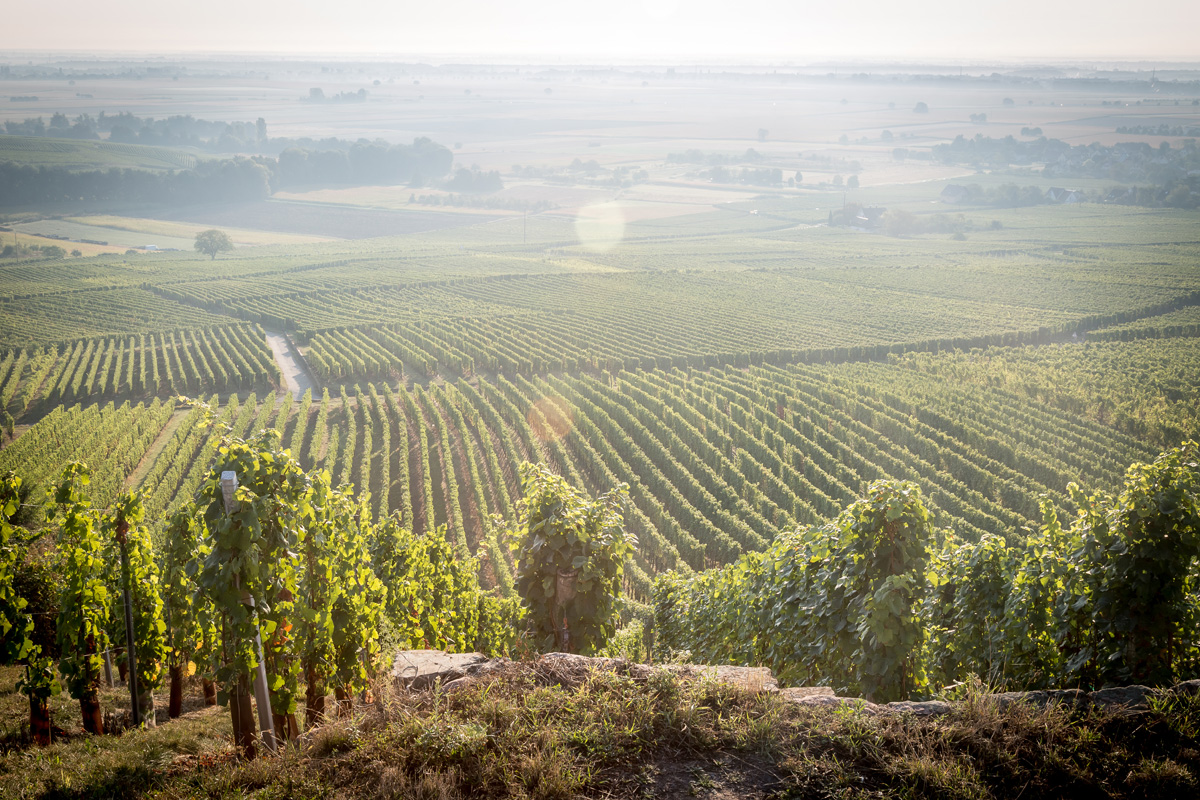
x=291, y=364
x=155, y=448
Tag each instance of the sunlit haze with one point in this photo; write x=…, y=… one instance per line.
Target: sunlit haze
x=866, y=30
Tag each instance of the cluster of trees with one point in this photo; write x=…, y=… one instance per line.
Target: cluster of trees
x=317, y=95
x=898, y=222
x=764, y=176
x=879, y=603
x=61, y=127
x=362, y=163
x=1184, y=194
x=1008, y=195
x=591, y=166
x=474, y=181
x=719, y=164
x=597, y=175
x=19, y=250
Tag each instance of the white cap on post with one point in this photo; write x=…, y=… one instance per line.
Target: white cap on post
x=229, y=484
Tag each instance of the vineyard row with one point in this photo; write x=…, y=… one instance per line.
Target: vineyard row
x=718, y=462
x=221, y=359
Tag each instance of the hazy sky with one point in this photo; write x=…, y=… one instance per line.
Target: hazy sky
x=797, y=30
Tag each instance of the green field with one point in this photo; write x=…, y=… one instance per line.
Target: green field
x=733, y=368
x=38, y=151
x=716, y=283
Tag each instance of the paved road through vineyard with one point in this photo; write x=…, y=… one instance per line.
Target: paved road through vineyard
x=295, y=376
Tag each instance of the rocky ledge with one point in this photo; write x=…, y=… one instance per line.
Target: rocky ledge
x=424, y=669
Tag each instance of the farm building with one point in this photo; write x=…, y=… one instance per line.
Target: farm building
x=868, y=217
x=1057, y=194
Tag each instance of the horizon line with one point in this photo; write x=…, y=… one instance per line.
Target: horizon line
x=615, y=59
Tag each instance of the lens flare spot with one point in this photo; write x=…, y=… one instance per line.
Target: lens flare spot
x=600, y=227
x=550, y=419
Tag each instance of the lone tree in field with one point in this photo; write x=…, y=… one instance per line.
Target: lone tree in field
x=213, y=241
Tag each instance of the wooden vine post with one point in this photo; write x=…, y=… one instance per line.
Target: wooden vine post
x=131, y=552
x=241, y=708
x=108, y=669
x=121, y=532
x=564, y=581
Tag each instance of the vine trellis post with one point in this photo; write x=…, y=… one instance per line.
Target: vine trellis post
x=108, y=668
x=131, y=653
x=229, y=483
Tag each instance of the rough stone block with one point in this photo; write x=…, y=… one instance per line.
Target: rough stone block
x=421, y=669
x=1130, y=698
x=929, y=708
x=832, y=701
x=1040, y=699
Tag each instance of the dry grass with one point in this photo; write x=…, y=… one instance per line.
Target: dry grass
x=542, y=732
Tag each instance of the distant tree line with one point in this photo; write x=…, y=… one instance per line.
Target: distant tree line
x=899, y=222
x=765, y=176
x=363, y=163
x=1007, y=195
x=232, y=179
x=126, y=128
x=474, y=181
x=1127, y=162
x=181, y=130
x=1167, y=176
x=1184, y=194
x=317, y=95
x=1160, y=130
